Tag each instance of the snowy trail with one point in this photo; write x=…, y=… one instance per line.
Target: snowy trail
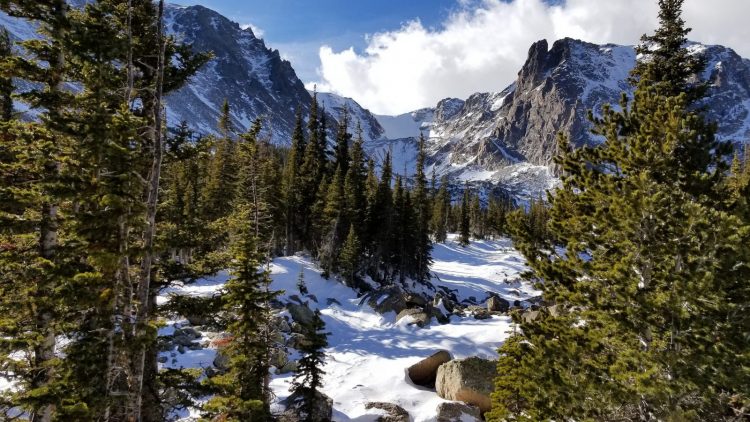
x=368, y=353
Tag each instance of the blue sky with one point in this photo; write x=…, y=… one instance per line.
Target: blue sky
x=299, y=27
x=372, y=51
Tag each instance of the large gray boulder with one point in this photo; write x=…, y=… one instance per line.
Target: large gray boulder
x=468, y=380
x=389, y=299
x=416, y=316
x=424, y=372
x=295, y=412
x=497, y=304
x=301, y=313
x=395, y=413
x=458, y=412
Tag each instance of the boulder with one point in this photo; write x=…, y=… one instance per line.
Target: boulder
x=497, y=304
x=301, y=313
x=414, y=300
x=322, y=409
x=281, y=324
x=530, y=316
x=478, y=312
x=296, y=341
x=332, y=301
x=458, y=412
x=221, y=361
x=290, y=367
x=417, y=317
x=390, y=299
x=469, y=380
x=278, y=357
x=395, y=413
x=424, y=372
x=437, y=314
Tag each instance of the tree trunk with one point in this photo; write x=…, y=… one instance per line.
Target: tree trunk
x=152, y=197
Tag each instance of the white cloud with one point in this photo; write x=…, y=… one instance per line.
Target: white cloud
x=256, y=30
x=482, y=47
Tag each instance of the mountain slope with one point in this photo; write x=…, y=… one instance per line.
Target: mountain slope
x=510, y=136
x=253, y=78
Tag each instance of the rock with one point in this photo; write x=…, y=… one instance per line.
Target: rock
x=322, y=409
x=555, y=310
x=301, y=313
x=447, y=303
x=497, y=304
x=424, y=372
x=458, y=412
x=195, y=346
x=221, y=361
x=290, y=367
x=390, y=299
x=281, y=324
x=190, y=332
x=198, y=319
x=418, y=317
x=478, y=312
x=162, y=359
x=181, y=349
x=396, y=413
x=313, y=298
x=437, y=314
x=530, y=316
x=182, y=340
x=468, y=380
x=296, y=341
x=296, y=299
x=415, y=301
x=278, y=357
x=330, y=301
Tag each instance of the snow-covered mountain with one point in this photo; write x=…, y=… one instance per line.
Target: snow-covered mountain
x=253, y=78
x=372, y=131
x=510, y=136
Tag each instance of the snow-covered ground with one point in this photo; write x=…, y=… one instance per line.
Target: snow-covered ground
x=368, y=353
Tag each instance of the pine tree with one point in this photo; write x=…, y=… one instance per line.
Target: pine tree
x=355, y=186
x=464, y=218
x=650, y=267
x=6, y=83
x=292, y=185
x=242, y=392
x=350, y=258
x=440, y=212
x=308, y=378
x=421, y=200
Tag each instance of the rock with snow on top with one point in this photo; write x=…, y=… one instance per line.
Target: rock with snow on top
x=322, y=409
x=414, y=316
x=394, y=412
x=458, y=412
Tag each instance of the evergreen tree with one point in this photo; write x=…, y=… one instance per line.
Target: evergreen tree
x=421, y=200
x=307, y=380
x=292, y=185
x=6, y=83
x=355, y=186
x=350, y=258
x=242, y=392
x=464, y=218
x=649, y=278
x=440, y=212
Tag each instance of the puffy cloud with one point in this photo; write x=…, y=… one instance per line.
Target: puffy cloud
x=257, y=31
x=482, y=46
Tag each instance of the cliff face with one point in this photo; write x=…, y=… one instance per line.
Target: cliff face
x=554, y=90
